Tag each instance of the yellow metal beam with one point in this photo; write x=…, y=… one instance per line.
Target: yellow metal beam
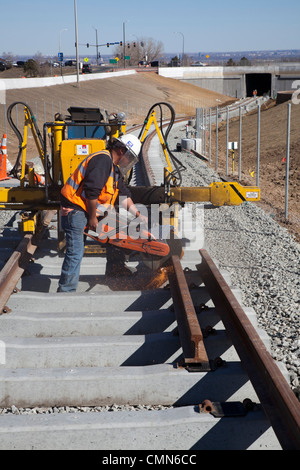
x=152, y=120
x=219, y=194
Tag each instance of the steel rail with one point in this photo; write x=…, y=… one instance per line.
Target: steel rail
x=279, y=402
x=15, y=266
x=190, y=334
x=282, y=409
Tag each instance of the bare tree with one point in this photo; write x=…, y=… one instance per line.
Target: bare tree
x=8, y=57
x=39, y=58
x=142, y=49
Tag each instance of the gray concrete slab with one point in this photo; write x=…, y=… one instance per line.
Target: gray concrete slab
x=91, y=351
x=108, y=351
x=107, y=301
x=173, y=429
x=43, y=324
x=161, y=384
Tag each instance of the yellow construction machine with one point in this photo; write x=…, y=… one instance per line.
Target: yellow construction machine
x=68, y=140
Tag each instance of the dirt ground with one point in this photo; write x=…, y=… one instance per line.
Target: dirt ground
x=272, y=174
x=135, y=94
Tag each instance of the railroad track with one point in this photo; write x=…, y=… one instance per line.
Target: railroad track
x=177, y=346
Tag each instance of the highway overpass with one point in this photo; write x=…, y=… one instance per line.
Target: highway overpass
x=239, y=82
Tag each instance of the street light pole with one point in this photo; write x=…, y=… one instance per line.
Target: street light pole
x=178, y=32
x=61, y=31
x=138, y=47
x=97, y=61
x=76, y=39
x=124, y=44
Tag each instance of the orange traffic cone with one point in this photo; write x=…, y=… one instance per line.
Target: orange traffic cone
x=3, y=159
x=40, y=178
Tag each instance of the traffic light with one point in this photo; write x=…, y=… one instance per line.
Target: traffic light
x=87, y=45
x=134, y=45
x=107, y=44
x=121, y=43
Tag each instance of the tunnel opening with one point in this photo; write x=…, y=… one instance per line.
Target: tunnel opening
x=262, y=82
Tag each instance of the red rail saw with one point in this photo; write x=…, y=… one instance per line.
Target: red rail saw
x=114, y=230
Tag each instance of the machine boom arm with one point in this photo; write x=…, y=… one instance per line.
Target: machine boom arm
x=218, y=194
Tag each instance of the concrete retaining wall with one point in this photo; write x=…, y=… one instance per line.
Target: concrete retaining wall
x=233, y=81
x=230, y=81
x=17, y=83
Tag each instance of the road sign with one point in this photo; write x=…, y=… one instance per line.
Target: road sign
x=127, y=57
x=86, y=59
x=60, y=56
x=113, y=61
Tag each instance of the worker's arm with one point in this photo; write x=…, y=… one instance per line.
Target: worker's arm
x=128, y=204
x=93, y=220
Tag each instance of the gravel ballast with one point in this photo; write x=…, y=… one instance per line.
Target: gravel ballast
x=262, y=258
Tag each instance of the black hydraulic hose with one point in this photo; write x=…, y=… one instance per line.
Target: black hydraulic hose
x=14, y=171
x=176, y=174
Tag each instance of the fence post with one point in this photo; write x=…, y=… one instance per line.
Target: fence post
x=240, y=146
x=287, y=161
x=205, y=131
x=5, y=118
x=198, y=122
x=217, y=135
x=258, y=145
x=209, y=135
x=227, y=139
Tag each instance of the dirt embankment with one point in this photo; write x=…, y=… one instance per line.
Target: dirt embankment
x=135, y=94
x=272, y=160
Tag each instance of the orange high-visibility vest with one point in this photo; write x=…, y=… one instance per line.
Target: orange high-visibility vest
x=73, y=189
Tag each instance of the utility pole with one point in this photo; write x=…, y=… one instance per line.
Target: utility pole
x=178, y=32
x=124, y=45
x=76, y=39
x=97, y=45
x=60, y=54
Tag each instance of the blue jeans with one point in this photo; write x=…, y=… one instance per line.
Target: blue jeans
x=73, y=224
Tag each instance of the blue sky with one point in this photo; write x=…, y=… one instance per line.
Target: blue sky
x=208, y=26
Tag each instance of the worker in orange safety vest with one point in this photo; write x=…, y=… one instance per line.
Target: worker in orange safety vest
x=96, y=184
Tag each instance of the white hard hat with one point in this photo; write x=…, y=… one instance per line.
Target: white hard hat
x=130, y=158
x=132, y=143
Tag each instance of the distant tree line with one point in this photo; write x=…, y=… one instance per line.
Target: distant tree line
x=243, y=62
x=35, y=67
